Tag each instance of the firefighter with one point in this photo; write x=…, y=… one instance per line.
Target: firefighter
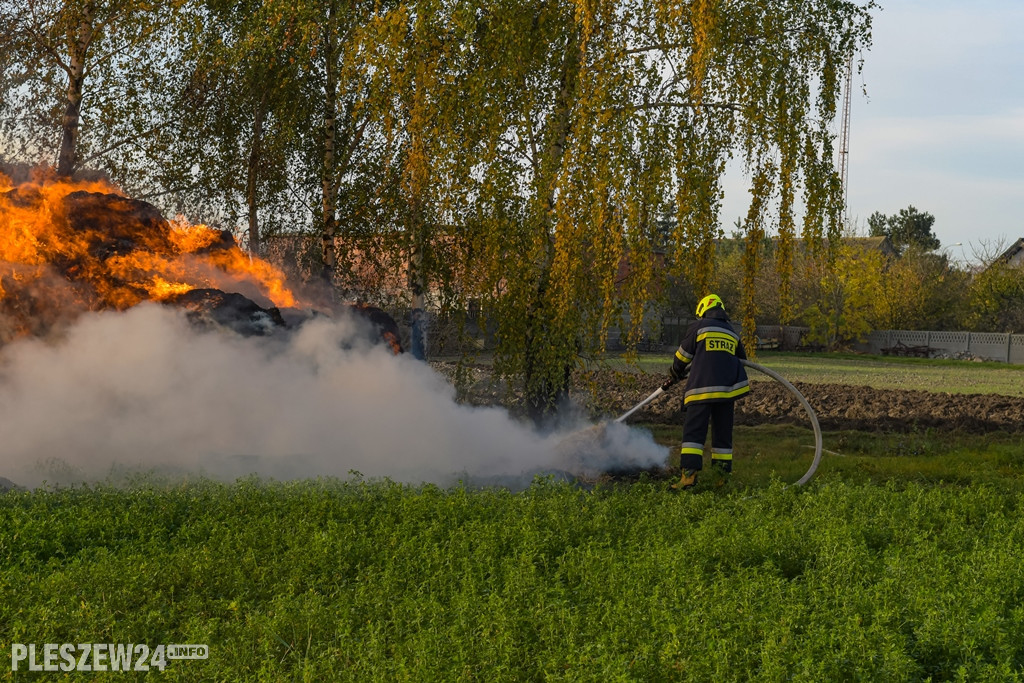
x=709, y=358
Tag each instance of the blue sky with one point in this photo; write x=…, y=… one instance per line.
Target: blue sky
x=942, y=126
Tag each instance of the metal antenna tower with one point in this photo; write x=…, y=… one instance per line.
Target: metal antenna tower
x=844, y=135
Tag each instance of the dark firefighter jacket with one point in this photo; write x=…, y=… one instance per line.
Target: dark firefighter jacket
x=711, y=350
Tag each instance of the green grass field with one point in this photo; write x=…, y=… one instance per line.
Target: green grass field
x=883, y=372
x=900, y=561
x=377, y=582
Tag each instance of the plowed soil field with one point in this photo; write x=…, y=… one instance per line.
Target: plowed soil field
x=841, y=407
x=607, y=393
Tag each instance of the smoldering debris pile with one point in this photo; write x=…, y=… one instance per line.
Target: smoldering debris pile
x=107, y=364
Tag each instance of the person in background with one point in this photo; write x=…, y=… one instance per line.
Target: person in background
x=709, y=359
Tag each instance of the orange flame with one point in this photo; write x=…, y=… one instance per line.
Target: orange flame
x=86, y=241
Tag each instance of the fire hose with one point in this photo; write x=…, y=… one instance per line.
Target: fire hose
x=781, y=380
x=810, y=413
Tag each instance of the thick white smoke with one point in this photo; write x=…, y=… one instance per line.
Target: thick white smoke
x=144, y=390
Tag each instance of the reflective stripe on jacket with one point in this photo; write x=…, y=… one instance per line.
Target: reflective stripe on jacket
x=711, y=350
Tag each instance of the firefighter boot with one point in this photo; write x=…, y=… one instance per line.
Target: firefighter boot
x=687, y=481
x=722, y=469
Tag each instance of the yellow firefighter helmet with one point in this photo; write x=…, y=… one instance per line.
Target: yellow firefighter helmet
x=707, y=303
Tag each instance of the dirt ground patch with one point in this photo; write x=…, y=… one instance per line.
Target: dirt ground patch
x=607, y=393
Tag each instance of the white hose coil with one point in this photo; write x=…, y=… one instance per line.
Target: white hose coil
x=810, y=413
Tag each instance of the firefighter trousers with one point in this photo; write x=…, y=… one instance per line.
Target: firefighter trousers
x=695, y=433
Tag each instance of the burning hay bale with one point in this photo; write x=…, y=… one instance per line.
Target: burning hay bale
x=67, y=248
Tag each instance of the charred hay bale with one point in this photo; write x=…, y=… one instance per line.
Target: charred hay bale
x=383, y=328
x=208, y=308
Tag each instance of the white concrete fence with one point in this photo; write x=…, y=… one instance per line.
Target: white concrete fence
x=996, y=346
x=1002, y=347
x=1005, y=348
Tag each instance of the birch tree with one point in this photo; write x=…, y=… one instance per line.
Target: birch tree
x=241, y=129
x=512, y=153
x=558, y=132
x=77, y=76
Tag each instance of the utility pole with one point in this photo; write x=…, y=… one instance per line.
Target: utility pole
x=844, y=136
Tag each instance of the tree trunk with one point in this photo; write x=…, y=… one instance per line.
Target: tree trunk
x=541, y=394
x=329, y=187
x=418, y=176
x=418, y=317
x=252, y=174
x=69, y=130
x=77, y=50
x=563, y=108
